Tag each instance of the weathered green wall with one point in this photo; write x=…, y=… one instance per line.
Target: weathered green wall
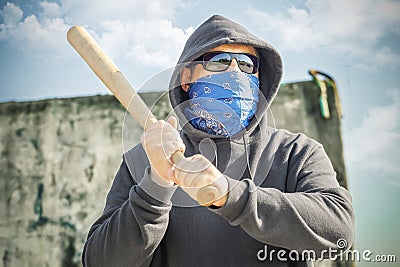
x=59, y=156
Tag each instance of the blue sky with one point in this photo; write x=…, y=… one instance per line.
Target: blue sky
x=356, y=41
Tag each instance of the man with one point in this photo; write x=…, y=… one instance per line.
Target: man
x=276, y=189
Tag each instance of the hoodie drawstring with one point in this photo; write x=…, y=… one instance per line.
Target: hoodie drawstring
x=247, y=153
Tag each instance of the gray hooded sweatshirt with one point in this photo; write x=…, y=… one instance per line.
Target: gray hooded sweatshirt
x=284, y=198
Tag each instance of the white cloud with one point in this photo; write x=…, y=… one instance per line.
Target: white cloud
x=50, y=10
x=354, y=28
x=136, y=30
x=140, y=40
x=94, y=12
x=383, y=56
x=11, y=14
x=375, y=145
x=40, y=37
x=147, y=37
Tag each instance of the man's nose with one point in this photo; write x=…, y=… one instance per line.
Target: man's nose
x=234, y=65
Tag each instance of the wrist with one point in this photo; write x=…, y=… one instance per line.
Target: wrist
x=158, y=179
x=149, y=189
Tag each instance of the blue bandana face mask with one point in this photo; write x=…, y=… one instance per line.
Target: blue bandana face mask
x=223, y=103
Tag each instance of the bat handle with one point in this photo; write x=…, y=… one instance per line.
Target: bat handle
x=207, y=194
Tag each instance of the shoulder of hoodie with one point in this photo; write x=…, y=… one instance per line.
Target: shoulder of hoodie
x=136, y=159
x=137, y=151
x=296, y=141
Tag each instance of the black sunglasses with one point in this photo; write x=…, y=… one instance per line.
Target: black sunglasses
x=220, y=61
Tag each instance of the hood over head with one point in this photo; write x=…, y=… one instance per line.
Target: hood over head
x=216, y=31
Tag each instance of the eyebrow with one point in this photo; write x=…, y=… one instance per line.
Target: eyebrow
x=244, y=53
x=248, y=52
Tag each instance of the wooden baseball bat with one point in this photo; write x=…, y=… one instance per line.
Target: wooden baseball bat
x=116, y=82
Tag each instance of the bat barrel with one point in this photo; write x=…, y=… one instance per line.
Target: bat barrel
x=110, y=75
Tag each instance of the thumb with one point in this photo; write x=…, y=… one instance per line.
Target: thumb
x=173, y=121
x=171, y=175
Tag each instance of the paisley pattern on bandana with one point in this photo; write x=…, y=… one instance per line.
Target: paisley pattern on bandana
x=223, y=103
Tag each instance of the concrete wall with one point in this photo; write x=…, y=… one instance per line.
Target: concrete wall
x=59, y=157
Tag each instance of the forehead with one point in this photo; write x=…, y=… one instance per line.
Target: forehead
x=235, y=48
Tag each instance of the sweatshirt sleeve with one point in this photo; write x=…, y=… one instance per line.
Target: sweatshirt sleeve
x=133, y=223
x=314, y=217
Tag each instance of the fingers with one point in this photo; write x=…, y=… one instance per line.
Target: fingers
x=194, y=174
x=173, y=121
x=160, y=141
x=162, y=132
x=194, y=164
x=195, y=171
x=170, y=147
